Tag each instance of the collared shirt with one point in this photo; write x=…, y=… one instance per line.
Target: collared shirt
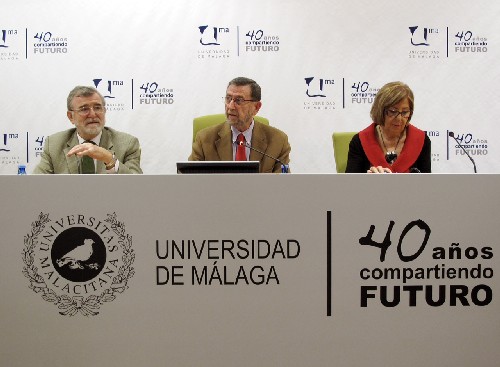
x=97, y=140
x=248, y=138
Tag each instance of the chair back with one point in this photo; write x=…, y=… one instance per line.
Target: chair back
x=341, y=142
x=202, y=122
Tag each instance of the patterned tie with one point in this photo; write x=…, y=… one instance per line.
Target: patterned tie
x=240, y=149
x=88, y=166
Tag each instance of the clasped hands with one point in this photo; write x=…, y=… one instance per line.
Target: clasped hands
x=93, y=151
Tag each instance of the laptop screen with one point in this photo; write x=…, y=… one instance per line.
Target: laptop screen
x=208, y=167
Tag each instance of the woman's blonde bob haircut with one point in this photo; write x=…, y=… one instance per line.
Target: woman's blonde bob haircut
x=389, y=95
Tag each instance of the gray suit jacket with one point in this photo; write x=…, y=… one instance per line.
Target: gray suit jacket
x=54, y=160
x=214, y=143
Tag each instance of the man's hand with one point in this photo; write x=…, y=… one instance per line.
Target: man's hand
x=92, y=151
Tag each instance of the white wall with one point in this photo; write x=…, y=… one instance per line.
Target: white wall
x=343, y=43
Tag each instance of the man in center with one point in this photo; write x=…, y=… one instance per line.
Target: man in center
x=221, y=142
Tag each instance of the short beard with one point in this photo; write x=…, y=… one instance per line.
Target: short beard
x=238, y=125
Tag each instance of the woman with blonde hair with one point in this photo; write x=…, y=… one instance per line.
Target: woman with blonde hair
x=390, y=144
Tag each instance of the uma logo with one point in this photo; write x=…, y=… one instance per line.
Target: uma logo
x=315, y=89
x=4, y=147
x=419, y=37
x=110, y=85
x=210, y=35
x=78, y=262
x=2, y=43
x=3, y=36
x=115, y=92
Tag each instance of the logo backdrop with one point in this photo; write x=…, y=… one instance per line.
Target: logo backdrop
x=319, y=63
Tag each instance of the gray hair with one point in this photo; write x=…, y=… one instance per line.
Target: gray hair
x=82, y=91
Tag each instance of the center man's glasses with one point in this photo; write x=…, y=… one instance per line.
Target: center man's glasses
x=237, y=101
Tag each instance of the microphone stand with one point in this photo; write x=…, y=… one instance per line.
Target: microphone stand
x=284, y=166
x=451, y=134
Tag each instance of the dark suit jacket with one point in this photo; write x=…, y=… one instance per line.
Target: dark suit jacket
x=214, y=143
x=54, y=160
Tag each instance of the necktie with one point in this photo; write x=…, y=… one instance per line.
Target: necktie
x=88, y=165
x=240, y=148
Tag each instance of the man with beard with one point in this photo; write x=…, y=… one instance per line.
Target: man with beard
x=89, y=147
x=227, y=141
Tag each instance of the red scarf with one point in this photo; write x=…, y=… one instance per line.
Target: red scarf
x=406, y=159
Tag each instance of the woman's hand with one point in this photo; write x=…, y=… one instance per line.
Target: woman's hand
x=379, y=169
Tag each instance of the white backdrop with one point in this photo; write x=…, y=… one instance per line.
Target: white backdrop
x=319, y=52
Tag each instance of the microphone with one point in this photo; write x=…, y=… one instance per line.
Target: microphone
x=284, y=166
x=451, y=134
